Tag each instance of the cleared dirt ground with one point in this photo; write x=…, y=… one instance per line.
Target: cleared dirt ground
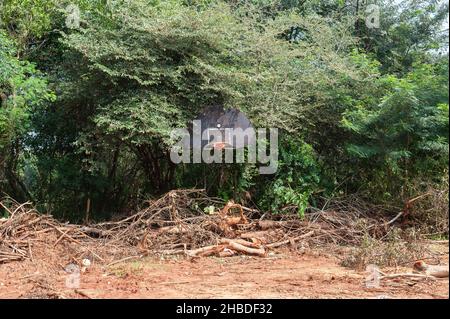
x=285, y=275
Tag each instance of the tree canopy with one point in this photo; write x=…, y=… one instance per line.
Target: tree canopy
x=88, y=107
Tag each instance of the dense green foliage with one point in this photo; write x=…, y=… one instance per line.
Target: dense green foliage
x=88, y=107
x=23, y=90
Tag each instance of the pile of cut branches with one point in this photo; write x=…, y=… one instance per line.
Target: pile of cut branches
x=177, y=223
x=25, y=229
x=19, y=229
x=187, y=222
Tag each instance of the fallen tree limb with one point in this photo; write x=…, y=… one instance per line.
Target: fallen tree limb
x=232, y=244
x=205, y=251
x=438, y=271
x=240, y=241
x=61, y=237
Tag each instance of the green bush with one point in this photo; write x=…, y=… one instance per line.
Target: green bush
x=297, y=178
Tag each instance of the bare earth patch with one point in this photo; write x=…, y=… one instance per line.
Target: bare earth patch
x=285, y=275
x=41, y=257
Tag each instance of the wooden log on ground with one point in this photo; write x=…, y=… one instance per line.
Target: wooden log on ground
x=205, y=251
x=232, y=244
x=438, y=271
x=241, y=242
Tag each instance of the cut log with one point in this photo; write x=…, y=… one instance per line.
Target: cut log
x=205, y=251
x=438, y=271
x=240, y=241
x=244, y=249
